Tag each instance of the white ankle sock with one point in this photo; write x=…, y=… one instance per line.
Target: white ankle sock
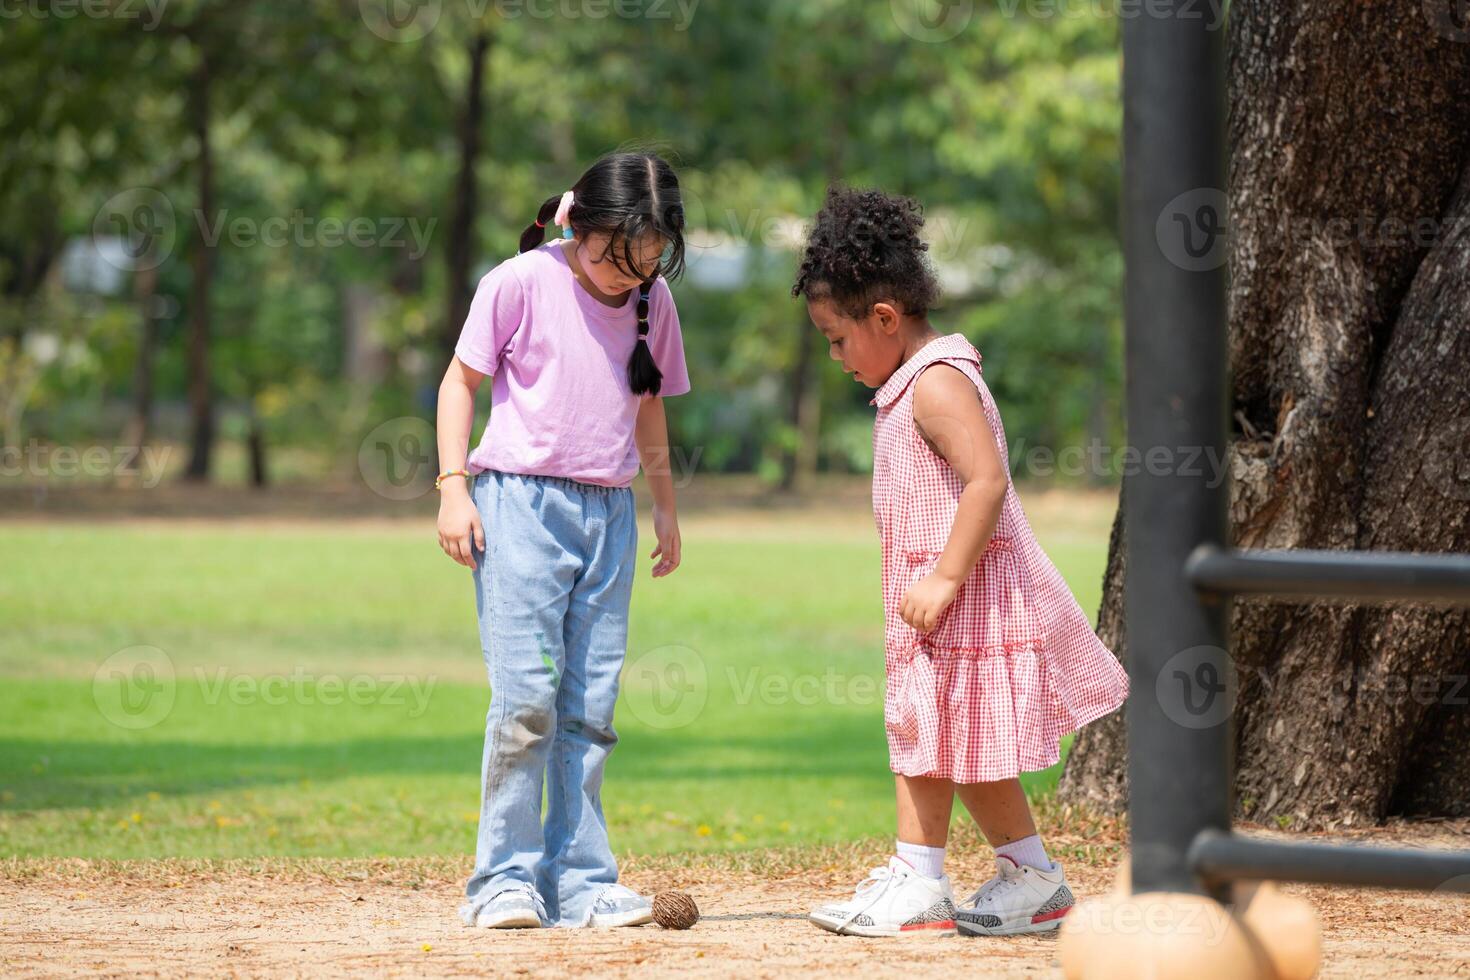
x=1027, y=850
x=927, y=861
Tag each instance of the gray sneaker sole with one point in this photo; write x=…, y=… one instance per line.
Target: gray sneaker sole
x=619, y=920
x=508, y=920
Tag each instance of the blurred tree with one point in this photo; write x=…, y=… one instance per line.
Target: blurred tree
x=256, y=110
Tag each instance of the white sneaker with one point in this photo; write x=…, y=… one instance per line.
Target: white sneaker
x=1019, y=899
x=516, y=906
x=893, y=901
x=618, y=905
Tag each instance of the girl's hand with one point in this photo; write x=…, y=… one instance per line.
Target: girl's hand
x=926, y=600
x=459, y=524
x=666, y=529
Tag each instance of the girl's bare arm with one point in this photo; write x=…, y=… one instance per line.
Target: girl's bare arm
x=459, y=526
x=950, y=417
x=651, y=434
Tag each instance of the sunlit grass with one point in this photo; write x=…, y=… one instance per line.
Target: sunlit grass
x=328, y=695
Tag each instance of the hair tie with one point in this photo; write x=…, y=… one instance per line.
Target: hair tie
x=564, y=212
x=643, y=311
x=540, y=224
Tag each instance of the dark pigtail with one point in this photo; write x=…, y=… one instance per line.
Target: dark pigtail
x=535, y=232
x=644, y=377
x=624, y=200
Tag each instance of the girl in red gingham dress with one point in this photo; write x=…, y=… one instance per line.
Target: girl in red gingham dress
x=990, y=660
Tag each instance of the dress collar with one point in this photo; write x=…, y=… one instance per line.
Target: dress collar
x=950, y=346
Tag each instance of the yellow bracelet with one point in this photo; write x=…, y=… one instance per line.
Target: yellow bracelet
x=439, y=480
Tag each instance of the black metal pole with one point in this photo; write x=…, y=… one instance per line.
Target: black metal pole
x=1222, y=857
x=1174, y=160
x=1358, y=575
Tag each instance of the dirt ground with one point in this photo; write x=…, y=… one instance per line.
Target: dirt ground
x=396, y=918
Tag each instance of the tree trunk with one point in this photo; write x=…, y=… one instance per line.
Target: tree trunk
x=201, y=395
x=145, y=289
x=255, y=445
x=803, y=412
x=466, y=198
x=1349, y=289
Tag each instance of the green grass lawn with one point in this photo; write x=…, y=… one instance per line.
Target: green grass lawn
x=318, y=689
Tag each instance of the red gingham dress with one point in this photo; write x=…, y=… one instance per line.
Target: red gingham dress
x=1013, y=664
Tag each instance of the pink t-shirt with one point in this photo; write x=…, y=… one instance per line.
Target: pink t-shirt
x=560, y=404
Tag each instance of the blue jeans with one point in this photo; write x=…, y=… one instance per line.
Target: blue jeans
x=552, y=593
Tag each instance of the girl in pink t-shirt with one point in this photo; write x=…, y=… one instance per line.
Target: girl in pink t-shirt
x=989, y=659
x=581, y=342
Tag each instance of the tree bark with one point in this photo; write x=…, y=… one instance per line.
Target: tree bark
x=803, y=412
x=459, y=253
x=1095, y=773
x=1349, y=133
x=145, y=290
x=255, y=446
x=201, y=394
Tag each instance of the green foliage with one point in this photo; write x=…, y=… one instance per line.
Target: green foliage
x=1007, y=132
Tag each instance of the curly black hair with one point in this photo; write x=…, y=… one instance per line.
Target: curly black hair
x=864, y=247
